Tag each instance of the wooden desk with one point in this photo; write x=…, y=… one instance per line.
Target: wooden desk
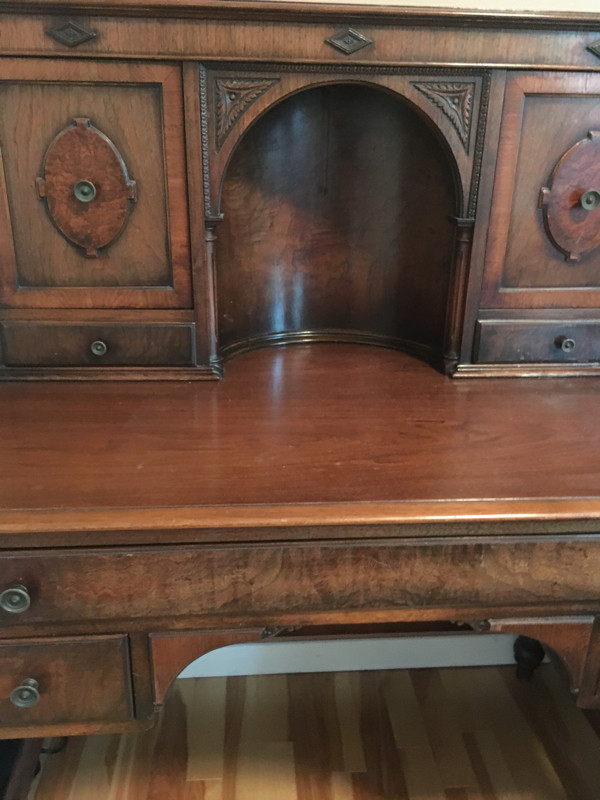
x=183, y=182
x=315, y=485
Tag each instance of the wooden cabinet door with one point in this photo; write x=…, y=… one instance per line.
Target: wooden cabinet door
x=92, y=185
x=532, y=261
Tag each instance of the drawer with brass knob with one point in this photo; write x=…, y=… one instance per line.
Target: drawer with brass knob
x=49, y=682
x=97, y=344
x=507, y=341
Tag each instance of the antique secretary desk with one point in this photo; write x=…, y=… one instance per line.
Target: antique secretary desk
x=299, y=329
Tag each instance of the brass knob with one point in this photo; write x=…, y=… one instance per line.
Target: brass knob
x=84, y=191
x=15, y=600
x=26, y=695
x=565, y=344
x=99, y=348
x=590, y=200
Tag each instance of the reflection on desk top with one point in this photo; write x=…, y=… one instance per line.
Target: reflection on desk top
x=297, y=436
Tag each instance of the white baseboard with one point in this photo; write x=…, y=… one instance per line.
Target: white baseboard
x=280, y=657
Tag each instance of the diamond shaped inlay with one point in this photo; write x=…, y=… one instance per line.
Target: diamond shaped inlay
x=349, y=41
x=594, y=48
x=71, y=34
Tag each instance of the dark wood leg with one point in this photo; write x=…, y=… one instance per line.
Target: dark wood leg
x=529, y=654
x=19, y=763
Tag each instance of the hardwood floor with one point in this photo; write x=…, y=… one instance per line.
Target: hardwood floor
x=428, y=734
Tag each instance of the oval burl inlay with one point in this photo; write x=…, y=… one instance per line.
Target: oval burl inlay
x=571, y=201
x=86, y=186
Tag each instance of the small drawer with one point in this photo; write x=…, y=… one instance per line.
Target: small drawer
x=58, y=681
x=507, y=341
x=97, y=345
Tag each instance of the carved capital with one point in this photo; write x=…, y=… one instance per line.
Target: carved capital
x=233, y=97
x=455, y=101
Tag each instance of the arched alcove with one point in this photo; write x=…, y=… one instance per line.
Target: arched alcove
x=337, y=206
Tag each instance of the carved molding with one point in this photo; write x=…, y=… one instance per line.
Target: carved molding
x=455, y=101
x=479, y=142
x=233, y=97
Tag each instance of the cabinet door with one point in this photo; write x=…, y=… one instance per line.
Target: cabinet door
x=92, y=185
x=544, y=237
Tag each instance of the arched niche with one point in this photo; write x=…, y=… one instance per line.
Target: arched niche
x=337, y=206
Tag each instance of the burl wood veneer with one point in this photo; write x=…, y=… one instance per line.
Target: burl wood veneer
x=184, y=185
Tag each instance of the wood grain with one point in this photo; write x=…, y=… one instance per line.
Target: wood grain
x=328, y=429
x=456, y=734
x=327, y=203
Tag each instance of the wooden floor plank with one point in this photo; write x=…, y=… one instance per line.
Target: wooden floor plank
x=346, y=736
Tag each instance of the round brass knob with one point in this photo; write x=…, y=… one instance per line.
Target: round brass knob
x=26, y=695
x=99, y=348
x=565, y=344
x=590, y=200
x=15, y=600
x=84, y=191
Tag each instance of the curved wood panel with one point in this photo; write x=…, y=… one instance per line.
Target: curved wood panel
x=571, y=202
x=86, y=186
x=336, y=207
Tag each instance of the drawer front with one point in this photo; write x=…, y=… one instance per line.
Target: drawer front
x=263, y=584
x=97, y=345
x=55, y=681
x=508, y=342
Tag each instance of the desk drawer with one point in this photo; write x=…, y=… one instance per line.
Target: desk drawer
x=216, y=585
x=97, y=345
x=508, y=341
x=55, y=681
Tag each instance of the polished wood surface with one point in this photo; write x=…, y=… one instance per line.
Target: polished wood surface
x=329, y=203
x=451, y=734
x=338, y=432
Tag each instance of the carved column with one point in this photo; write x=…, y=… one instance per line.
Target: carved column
x=455, y=311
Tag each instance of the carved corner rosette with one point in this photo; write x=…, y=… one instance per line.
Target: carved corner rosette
x=455, y=101
x=233, y=97
x=86, y=186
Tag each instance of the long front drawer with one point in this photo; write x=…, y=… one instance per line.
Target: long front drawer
x=97, y=345
x=84, y=679
x=259, y=584
x=510, y=341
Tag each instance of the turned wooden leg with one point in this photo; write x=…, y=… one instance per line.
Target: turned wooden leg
x=529, y=654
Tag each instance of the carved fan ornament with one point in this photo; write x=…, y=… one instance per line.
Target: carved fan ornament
x=571, y=202
x=86, y=186
x=233, y=96
x=455, y=101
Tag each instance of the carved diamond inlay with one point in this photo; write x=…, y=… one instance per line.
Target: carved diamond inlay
x=349, y=41
x=233, y=97
x=455, y=101
x=71, y=34
x=595, y=48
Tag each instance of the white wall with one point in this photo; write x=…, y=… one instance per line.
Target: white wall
x=273, y=657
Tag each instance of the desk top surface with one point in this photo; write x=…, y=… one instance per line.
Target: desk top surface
x=301, y=435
